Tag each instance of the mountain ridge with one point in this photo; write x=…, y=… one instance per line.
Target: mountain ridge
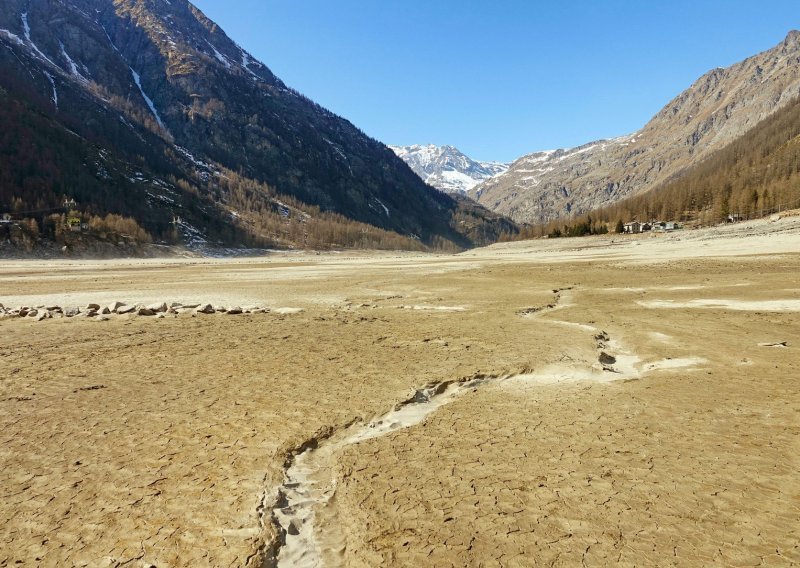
x=717, y=108
x=143, y=78
x=447, y=168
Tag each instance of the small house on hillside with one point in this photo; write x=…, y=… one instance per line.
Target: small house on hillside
x=633, y=228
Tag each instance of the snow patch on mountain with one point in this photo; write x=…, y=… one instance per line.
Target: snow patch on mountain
x=71, y=64
x=138, y=80
x=27, y=29
x=12, y=37
x=446, y=168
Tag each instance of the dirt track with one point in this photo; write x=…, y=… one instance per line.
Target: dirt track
x=155, y=441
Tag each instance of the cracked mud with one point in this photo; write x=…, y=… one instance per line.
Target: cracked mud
x=145, y=442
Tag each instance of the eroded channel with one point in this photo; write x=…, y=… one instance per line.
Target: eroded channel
x=310, y=481
x=302, y=513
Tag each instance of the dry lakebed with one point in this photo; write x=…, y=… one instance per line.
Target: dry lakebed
x=576, y=402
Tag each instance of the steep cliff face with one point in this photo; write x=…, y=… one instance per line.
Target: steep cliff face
x=721, y=106
x=163, y=90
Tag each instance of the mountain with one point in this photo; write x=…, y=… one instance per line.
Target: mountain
x=446, y=168
x=756, y=175
x=716, y=110
x=146, y=109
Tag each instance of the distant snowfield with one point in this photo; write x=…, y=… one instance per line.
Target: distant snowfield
x=446, y=168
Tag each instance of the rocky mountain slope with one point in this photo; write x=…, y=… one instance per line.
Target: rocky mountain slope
x=720, y=107
x=756, y=175
x=146, y=108
x=446, y=168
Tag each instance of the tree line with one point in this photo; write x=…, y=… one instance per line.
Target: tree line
x=754, y=176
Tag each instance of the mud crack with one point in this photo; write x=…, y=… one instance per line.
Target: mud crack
x=309, y=476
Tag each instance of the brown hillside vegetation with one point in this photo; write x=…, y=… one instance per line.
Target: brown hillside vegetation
x=718, y=109
x=756, y=175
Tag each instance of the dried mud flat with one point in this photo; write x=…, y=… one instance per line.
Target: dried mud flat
x=633, y=402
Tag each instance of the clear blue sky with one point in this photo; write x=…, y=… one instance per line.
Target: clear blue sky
x=499, y=78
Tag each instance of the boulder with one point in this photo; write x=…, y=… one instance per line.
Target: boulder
x=190, y=306
x=43, y=315
x=606, y=359
x=105, y=311
x=145, y=312
x=222, y=309
x=33, y=313
x=234, y=311
x=204, y=309
x=72, y=312
x=22, y=312
x=114, y=306
x=102, y=318
x=126, y=309
x=158, y=307
x=94, y=307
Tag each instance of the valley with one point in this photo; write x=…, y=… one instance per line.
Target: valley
x=237, y=330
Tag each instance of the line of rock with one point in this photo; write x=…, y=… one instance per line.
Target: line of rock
x=103, y=313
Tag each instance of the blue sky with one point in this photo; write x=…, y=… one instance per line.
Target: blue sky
x=499, y=79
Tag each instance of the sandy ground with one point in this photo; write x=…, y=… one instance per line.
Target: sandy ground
x=144, y=442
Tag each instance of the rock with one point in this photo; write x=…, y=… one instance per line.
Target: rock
x=33, y=313
x=125, y=309
x=205, y=309
x=53, y=308
x=145, y=312
x=175, y=305
x=222, y=309
x=190, y=306
x=90, y=313
x=161, y=315
x=114, y=306
x=72, y=312
x=158, y=307
x=102, y=318
x=234, y=311
x=606, y=359
x=22, y=312
x=43, y=315
x=105, y=311
x=90, y=307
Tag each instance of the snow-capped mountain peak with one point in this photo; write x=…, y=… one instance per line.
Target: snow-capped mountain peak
x=446, y=168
